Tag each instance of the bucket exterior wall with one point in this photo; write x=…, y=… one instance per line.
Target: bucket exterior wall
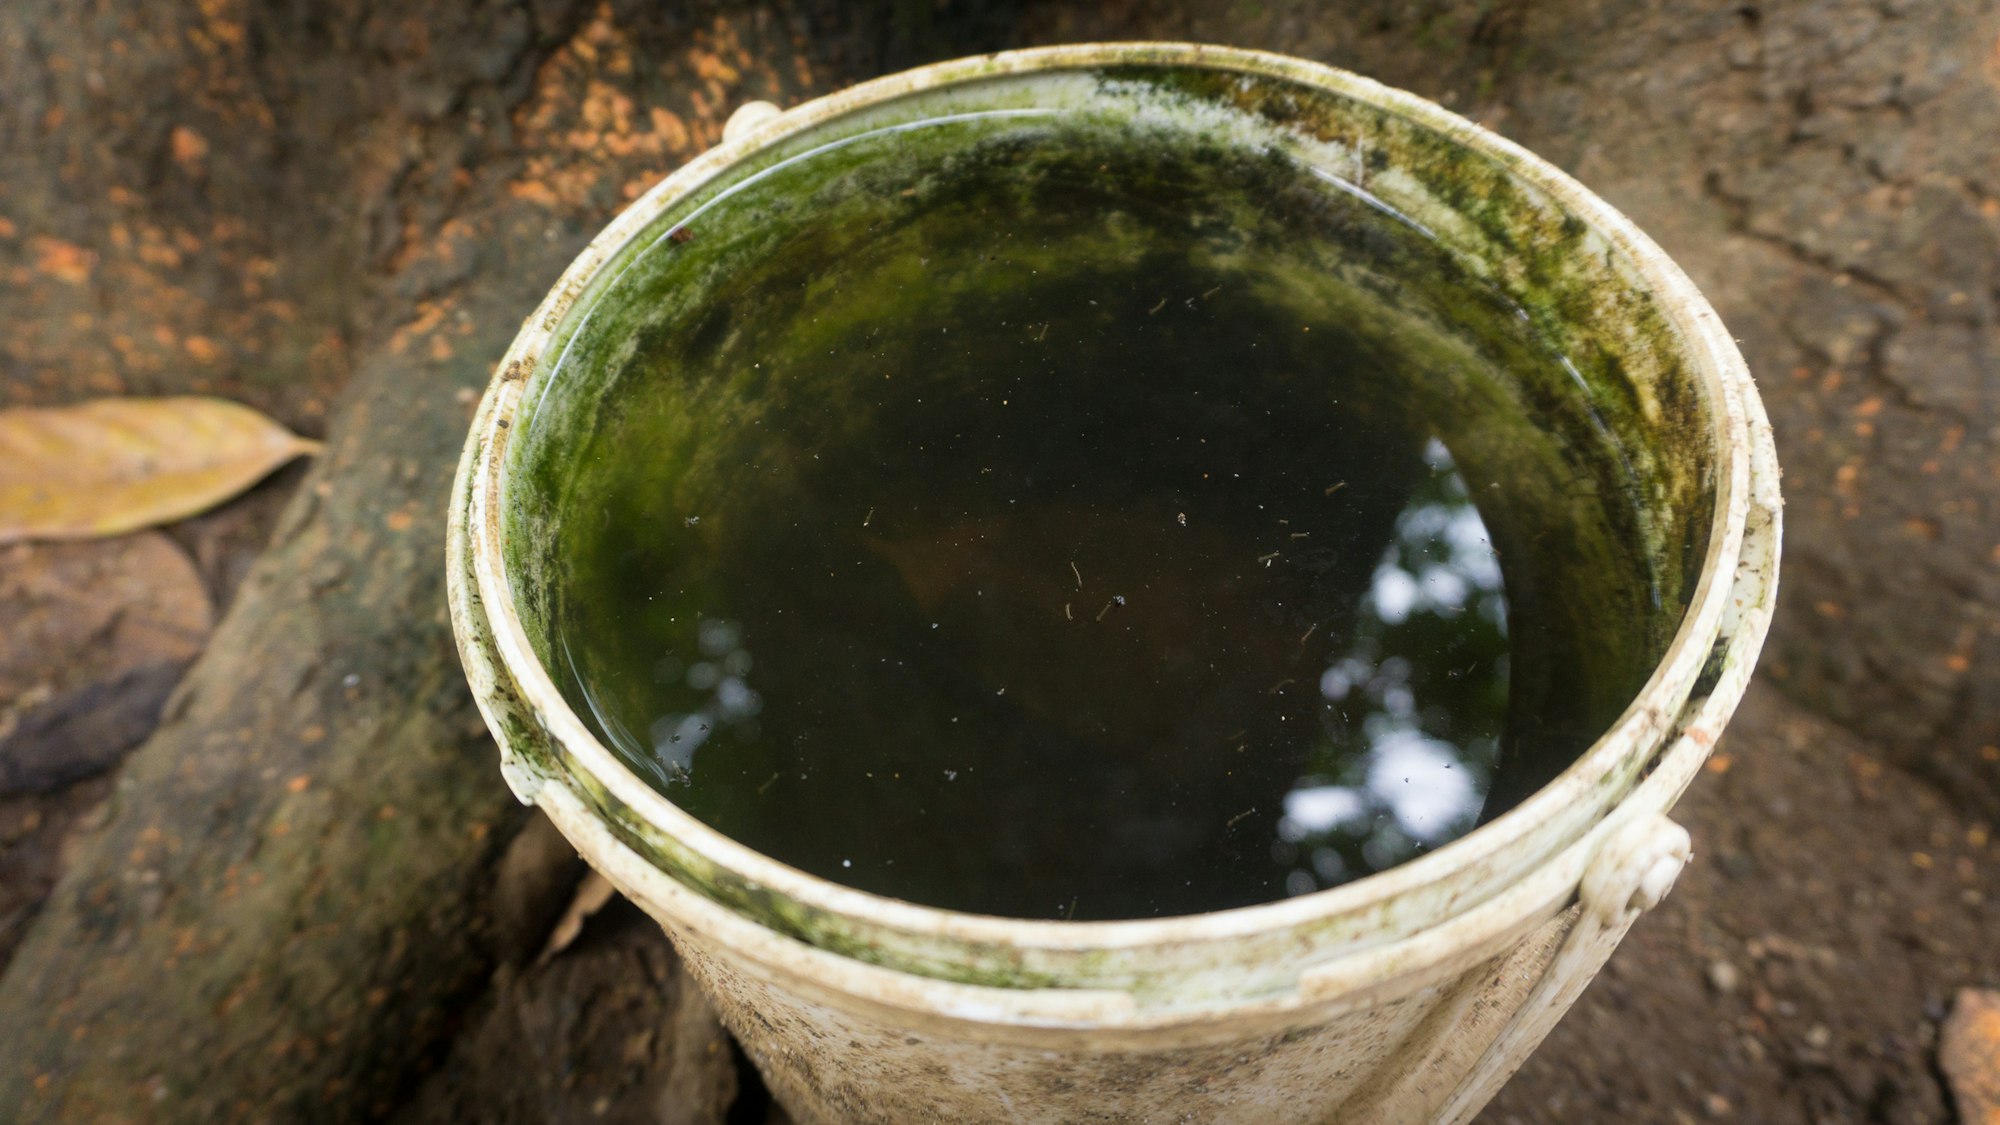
x=1408, y=996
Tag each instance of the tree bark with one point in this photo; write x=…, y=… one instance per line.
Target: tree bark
x=290, y=900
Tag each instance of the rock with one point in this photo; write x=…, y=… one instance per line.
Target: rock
x=1969, y=1055
x=1723, y=977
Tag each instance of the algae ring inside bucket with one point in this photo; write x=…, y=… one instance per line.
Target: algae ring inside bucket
x=1054, y=513
x=732, y=514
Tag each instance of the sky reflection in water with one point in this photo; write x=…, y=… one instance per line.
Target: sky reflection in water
x=1413, y=709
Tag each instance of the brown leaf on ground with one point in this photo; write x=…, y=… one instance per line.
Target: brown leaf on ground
x=115, y=465
x=84, y=732
x=95, y=637
x=78, y=613
x=1969, y=1055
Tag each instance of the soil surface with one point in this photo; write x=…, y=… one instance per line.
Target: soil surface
x=262, y=202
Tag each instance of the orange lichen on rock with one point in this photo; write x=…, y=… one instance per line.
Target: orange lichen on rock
x=429, y=315
x=190, y=149
x=64, y=261
x=591, y=139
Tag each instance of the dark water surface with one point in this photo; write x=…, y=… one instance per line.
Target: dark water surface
x=1063, y=530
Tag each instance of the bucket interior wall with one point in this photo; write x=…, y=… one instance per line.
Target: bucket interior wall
x=1207, y=161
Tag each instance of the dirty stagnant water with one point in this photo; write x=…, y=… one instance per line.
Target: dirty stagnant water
x=1060, y=529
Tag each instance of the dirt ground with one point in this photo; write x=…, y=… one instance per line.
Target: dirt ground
x=182, y=209
x=1796, y=976
x=1800, y=969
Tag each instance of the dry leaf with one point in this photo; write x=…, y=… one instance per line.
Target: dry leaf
x=114, y=465
x=591, y=895
x=92, y=637
x=75, y=612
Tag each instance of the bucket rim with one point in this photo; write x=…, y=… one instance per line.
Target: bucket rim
x=1615, y=759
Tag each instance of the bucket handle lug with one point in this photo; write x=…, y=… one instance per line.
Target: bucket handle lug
x=747, y=117
x=1631, y=872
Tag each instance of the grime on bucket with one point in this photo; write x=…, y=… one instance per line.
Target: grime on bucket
x=1033, y=513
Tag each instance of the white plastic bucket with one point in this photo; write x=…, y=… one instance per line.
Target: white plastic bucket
x=1410, y=995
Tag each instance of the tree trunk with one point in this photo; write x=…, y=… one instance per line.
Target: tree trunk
x=292, y=896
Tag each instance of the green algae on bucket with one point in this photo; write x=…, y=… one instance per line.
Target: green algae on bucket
x=1031, y=514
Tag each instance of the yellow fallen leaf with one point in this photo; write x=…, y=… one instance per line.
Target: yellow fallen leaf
x=118, y=464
